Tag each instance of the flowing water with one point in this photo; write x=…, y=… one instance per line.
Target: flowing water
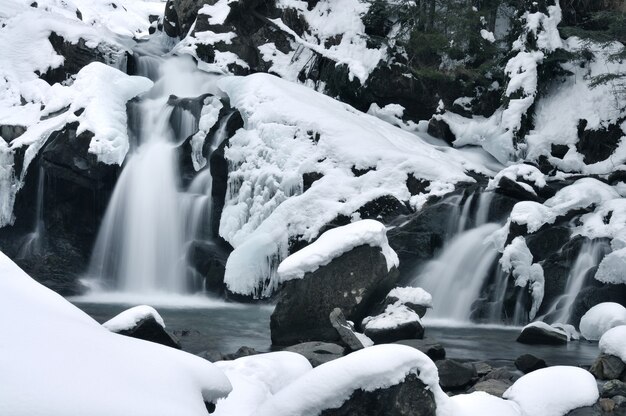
x=141, y=246
x=33, y=241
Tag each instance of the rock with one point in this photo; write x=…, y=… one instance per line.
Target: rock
x=607, y=405
x=494, y=387
x=345, y=330
x=454, y=375
x=208, y=260
x=439, y=128
x=512, y=189
x=318, y=352
x=352, y=282
x=597, y=144
x=613, y=388
x=607, y=367
x=620, y=400
x=149, y=329
x=212, y=356
x=409, y=398
x=527, y=363
x=594, y=295
x=395, y=323
x=501, y=373
x=586, y=411
x=241, y=352
x=482, y=368
x=540, y=335
x=434, y=350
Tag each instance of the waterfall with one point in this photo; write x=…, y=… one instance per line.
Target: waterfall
x=33, y=241
x=589, y=256
x=141, y=246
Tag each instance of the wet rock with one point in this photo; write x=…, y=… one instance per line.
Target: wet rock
x=440, y=129
x=535, y=335
x=318, y=352
x=433, y=349
x=149, y=329
x=613, y=388
x=620, y=401
x=208, y=259
x=409, y=398
x=345, y=330
x=454, y=375
x=607, y=405
x=212, y=356
x=528, y=363
x=512, y=189
x=241, y=352
x=607, y=367
x=501, y=373
x=353, y=282
x=482, y=368
x=494, y=387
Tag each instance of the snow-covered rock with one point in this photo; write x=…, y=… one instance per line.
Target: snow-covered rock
x=541, y=333
x=395, y=323
x=411, y=295
x=613, y=342
x=332, y=244
x=600, y=318
x=130, y=318
x=553, y=391
x=291, y=130
x=55, y=360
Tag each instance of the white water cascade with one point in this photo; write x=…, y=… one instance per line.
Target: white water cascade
x=33, y=241
x=141, y=244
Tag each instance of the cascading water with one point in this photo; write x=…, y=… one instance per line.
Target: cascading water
x=141, y=244
x=33, y=241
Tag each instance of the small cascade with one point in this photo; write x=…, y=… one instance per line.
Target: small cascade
x=456, y=277
x=141, y=244
x=590, y=255
x=33, y=241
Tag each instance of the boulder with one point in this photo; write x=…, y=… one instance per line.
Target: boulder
x=346, y=331
x=607, y=367
x=318, y=352
x=527, y=363
x=409, y=398
x=395, y=323
x=494, y=387
x=537, y=334
x=149, y=329
x=433, y=349
x=241, y=352
x=613, y=388
x=454, y=375
x=352, y=282
x=501, y=373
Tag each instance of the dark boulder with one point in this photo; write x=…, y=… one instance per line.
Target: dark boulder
x=536, y=335
x=433, y=349
x=76, y=55
x=528, y=363
x=345, y=330
x=408, y=398
x=440, y=129
x=512, y=189
x=598, y=145
x=495, y=387
x=454, y=375
x=613, y=388
x=607, y=367
x=149, y=329
x=241, y=352
x=595, y=294
x=353, y=282
x=208, y=260
x=318, y=352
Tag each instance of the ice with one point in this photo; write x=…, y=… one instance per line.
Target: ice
x=600, y=318
x=332, y=244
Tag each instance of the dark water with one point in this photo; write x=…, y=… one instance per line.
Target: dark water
x=226, y=328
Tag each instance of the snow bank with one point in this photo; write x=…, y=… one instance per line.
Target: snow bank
x=553, y=391
x=330, y=385
x=257, y=378
x=393, y=316
x=613, y=342
x=332, y=244
x=413, y=295
x=518, y=260
x=291, y=130
x=600, y=318
x=129, y=318
x=57, y=361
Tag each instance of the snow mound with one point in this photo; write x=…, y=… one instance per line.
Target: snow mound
x=548, y=328
x=600, y=318
x=330, y=385
x=525, y=172
x=483, y=404
x=257, y=378
x=393, y=316
x=289, y=131
x=56, y=360
x=613, y=342
x=332, y=244
x=129, y=318
x=413, y=295
x=553, y=391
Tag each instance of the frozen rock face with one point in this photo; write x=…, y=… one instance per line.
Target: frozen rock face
x=353, y=282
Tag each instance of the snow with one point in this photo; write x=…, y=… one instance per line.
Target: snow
x=613, y=342
x=413, y=295
x=517, y=259
x=208, y=117
x=487, y=35
x=553, y=391
x=255, y=379
x=393, y=316
x=7, y=184
x=600, y=318
x=331, y=384
x=569, y=330
x=484, y=404
x=547, y=327
x=129, y=318
x=57, y=361
x=527, y=173
x=290, y=130
x=332, y=244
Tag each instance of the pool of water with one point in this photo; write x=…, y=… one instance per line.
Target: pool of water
x=224, y=327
